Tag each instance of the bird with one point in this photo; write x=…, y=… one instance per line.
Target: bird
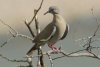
x=55, y=31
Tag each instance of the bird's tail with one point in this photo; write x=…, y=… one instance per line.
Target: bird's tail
x=30, y=52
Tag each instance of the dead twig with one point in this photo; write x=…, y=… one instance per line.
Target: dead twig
x=50, y=59
x=28, y=23
x=14, y=34
x=8, y=26
x=40, y=58
x=14, y=60
x=36, y=12
x=30, y=30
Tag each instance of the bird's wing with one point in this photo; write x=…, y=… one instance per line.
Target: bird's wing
x=65, y=33
x=51, y=35
x=35, y=47
x=45, y=34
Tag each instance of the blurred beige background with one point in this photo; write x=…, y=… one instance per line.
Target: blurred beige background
x=14, y=12
x=77, y=14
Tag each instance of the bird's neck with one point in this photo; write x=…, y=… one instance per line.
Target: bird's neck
x=56, y=18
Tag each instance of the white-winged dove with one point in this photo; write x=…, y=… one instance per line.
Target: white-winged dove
x=53, y=32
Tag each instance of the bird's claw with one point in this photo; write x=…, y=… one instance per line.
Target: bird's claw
x=55, y=51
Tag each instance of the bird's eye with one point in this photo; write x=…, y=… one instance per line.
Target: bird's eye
x=51, y=10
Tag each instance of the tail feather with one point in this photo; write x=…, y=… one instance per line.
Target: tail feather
x=35, y=47
x=30, y=52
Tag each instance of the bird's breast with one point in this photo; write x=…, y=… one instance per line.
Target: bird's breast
x=60, y=26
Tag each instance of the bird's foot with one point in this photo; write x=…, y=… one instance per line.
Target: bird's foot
x=55, y=50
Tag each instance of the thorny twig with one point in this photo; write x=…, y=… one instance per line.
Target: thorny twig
x=40, y=59
x=6, y=41
x=95, y=17
x=28, y=23
x=68, y=54
x=37, y=23
x=88, y=44
x=50, y=59
x=36, y=12
x=14, y=34
x=30, y=30
x=8, y=26
x=90, y=40
x=14, y=60
x=78, y=53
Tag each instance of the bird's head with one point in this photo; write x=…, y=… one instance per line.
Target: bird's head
x=52, y=10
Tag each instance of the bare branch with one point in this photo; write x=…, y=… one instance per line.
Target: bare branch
x=14, y=36
x=8, y=26
x=41, y=58
x=78, y=53
x=82, y=54
x=50, y=59
x=14, y=60
x=37, y=23
x=95, y=17
x=28, y=23
x=24, y=36
x=36, y=12
x=30, y=30
x=7, y=41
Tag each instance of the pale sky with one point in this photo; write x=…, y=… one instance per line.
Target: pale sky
x=15, y=11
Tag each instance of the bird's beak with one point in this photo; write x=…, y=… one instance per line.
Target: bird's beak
x=46, y=12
